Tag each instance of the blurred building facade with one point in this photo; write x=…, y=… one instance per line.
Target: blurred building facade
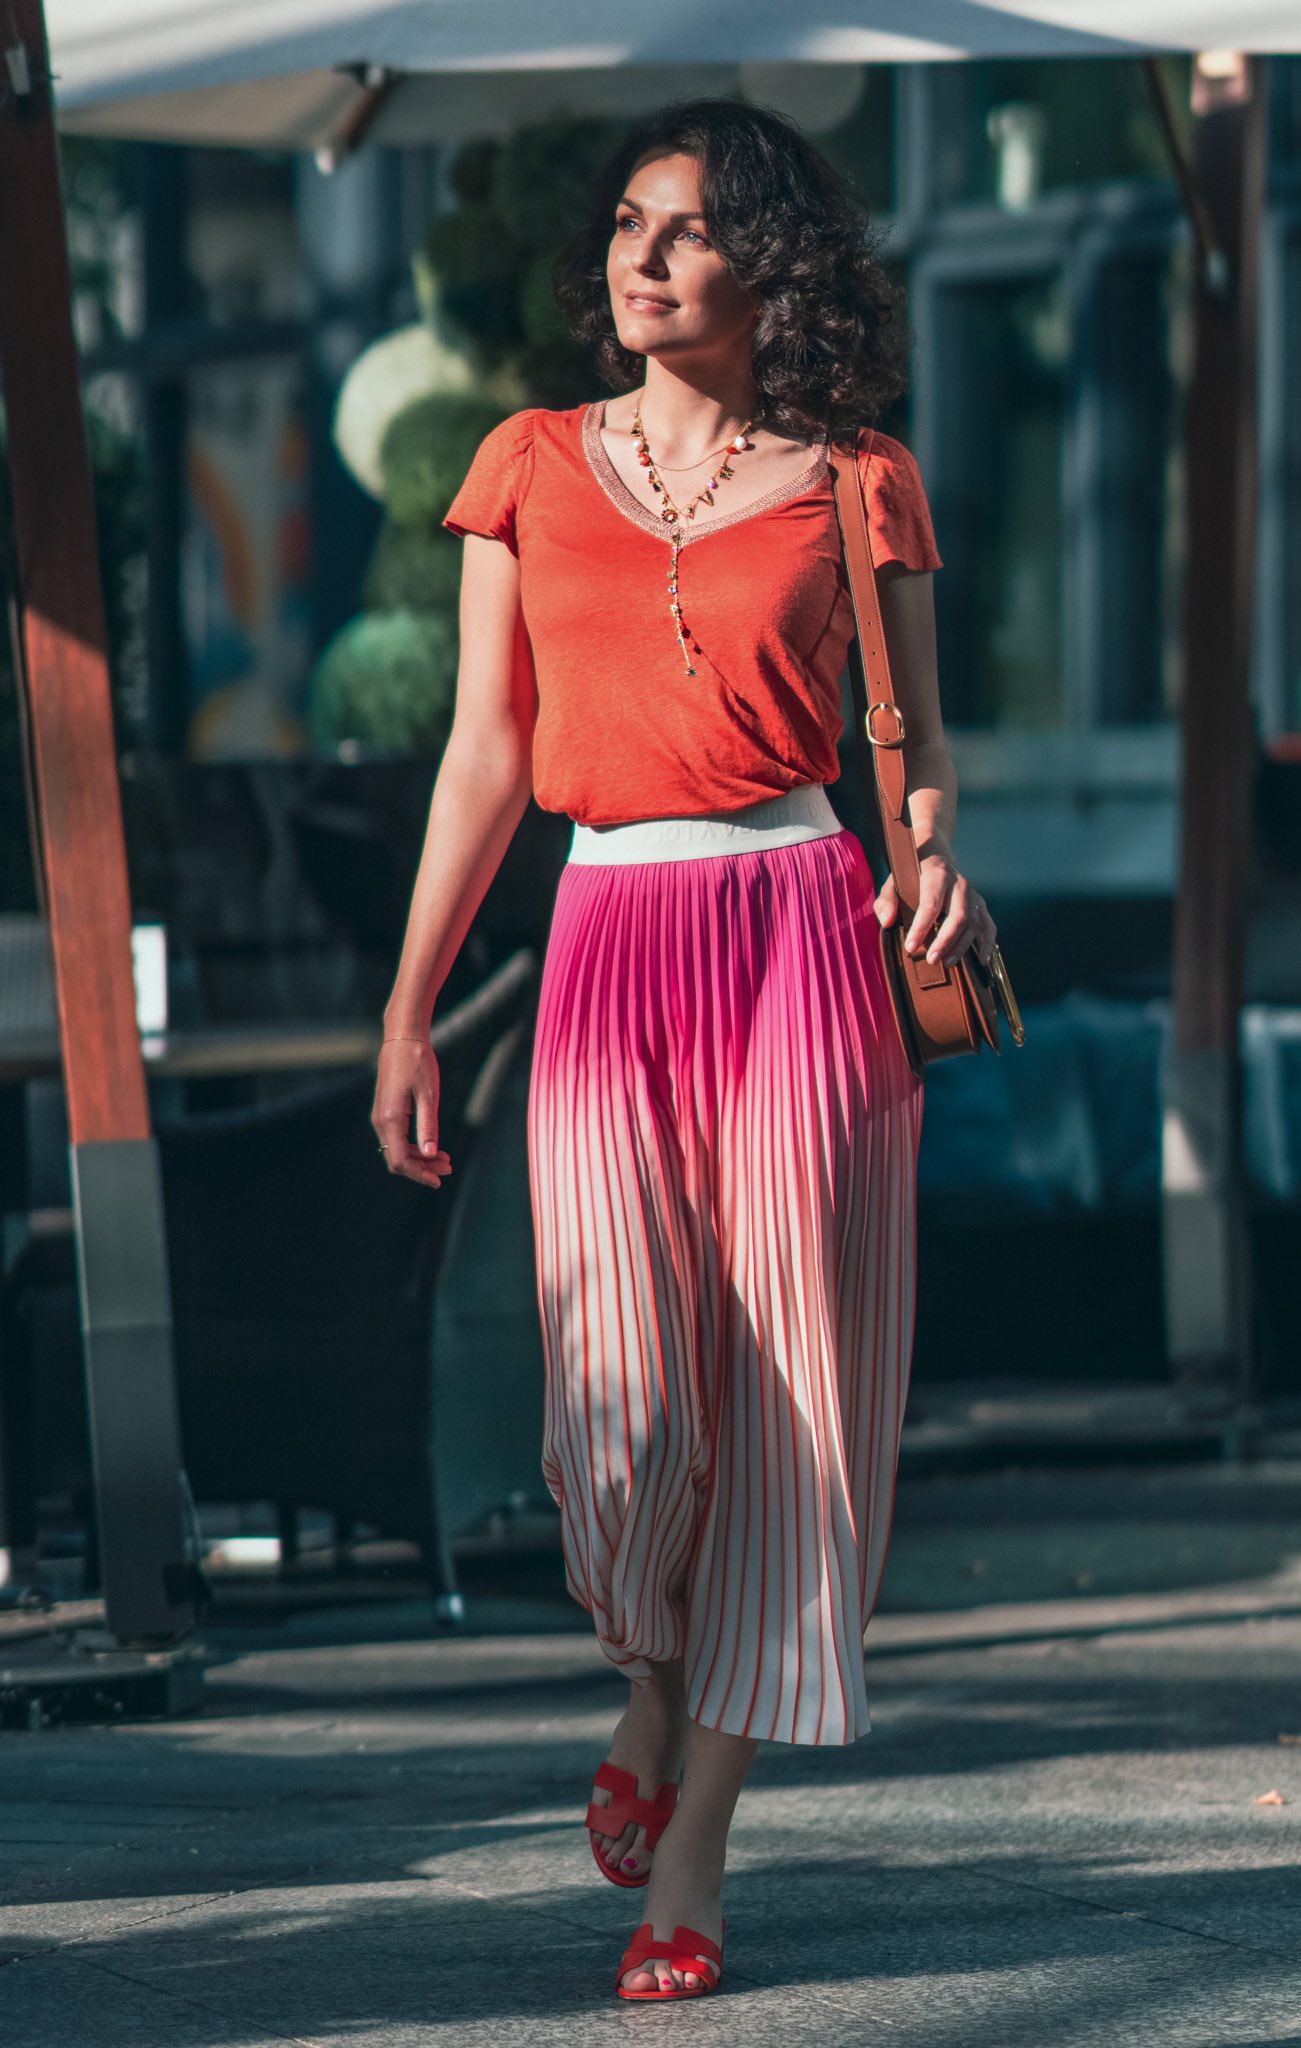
x=223, y=294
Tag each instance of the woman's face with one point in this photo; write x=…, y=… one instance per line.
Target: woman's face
x=671, y=293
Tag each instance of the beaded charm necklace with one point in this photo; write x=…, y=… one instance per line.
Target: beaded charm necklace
x=673, y=516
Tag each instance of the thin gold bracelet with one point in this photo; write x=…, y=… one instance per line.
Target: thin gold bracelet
x=401, y=1040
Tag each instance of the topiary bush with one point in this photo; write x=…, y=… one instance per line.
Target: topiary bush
x=477, y=262
x=407, y=364
x=387, y=679
x=416, y=405
x=491, y=257
x=413, y=569
x=427, y=448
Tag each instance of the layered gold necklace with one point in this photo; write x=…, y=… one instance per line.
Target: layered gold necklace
x=673, y=516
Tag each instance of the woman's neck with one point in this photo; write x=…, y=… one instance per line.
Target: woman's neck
x=685, y=417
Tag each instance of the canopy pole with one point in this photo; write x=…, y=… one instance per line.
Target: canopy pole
x=1207, y=1273
x=149, y=1587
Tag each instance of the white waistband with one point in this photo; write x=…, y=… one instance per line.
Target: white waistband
x=801, y=813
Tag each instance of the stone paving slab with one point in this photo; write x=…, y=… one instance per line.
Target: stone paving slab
x=371, y=1839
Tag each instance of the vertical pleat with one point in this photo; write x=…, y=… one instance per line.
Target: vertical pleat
x=722, y=1151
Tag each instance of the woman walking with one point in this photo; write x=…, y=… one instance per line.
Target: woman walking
x=723, y=1128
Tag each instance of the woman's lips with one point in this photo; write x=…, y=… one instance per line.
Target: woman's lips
x=642, y=304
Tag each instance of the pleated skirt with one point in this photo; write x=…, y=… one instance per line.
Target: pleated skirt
x=722, y=1136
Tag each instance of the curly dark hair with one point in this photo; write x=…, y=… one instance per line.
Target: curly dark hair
x=831, y=344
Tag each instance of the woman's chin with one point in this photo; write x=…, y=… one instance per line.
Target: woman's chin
x=641, y=337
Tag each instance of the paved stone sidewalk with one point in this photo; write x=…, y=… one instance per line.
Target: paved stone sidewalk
x=1052, y=1835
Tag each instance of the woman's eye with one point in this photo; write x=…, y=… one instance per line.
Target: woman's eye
x=630, y=220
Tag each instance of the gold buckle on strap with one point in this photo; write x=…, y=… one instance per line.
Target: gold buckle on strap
x=884, y=705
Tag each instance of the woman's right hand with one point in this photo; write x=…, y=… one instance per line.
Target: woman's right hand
x=407, y=1080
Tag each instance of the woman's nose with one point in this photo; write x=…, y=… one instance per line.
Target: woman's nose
x=650, y=258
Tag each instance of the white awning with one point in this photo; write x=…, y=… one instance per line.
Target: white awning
x=284, y=73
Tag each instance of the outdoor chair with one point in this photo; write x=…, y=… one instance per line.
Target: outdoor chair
x=302, y=1278
x=486, y=1338
x=303, y=1283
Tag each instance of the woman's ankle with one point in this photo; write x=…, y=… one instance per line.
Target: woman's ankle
x=695, y=1847
x=651, y=1737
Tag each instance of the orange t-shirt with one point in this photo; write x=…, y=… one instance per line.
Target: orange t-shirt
x=623, y=732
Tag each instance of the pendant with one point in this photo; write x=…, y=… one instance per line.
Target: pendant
x=673, y=516
x=674, y=602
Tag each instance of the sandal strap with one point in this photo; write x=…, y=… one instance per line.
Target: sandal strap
x=688, y=1950
x=627, y=1808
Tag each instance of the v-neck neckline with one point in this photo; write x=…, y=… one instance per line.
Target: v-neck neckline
x=616, y=490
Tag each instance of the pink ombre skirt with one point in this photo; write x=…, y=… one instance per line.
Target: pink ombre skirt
x=723, y=1139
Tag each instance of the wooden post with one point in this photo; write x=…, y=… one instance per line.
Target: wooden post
x=1207, y=1267
x=125, y=1306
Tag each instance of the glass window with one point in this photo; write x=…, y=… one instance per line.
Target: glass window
x=1003, y=349
x=114, y=438
x=1143, y=313
x=243, y=250
x=1285, y=103
x=1281, y=479
x=1006, y=131
x=105, y=238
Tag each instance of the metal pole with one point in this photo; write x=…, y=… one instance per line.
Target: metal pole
x=1206, y=1246
x=125, y=1307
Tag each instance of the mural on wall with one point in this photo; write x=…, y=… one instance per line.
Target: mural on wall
x=245, y=562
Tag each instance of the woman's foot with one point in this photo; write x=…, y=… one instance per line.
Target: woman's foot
x=648, y=1741
x=686, y=1884
x=683, y=1892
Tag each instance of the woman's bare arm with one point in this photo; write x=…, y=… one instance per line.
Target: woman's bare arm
x=483, y=785
x=480, y=794
x=908, y=618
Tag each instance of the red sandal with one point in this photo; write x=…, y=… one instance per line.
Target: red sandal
x=684, y=1952
x=627, y=1809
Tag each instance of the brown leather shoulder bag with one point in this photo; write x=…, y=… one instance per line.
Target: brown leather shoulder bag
x=939, y=1010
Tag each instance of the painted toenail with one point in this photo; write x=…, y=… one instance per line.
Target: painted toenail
x=630, y=1862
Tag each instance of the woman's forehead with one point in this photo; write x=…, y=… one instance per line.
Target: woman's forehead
x=669, y=181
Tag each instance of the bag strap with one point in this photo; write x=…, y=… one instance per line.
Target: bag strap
x=878, y=714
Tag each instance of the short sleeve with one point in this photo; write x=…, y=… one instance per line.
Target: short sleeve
x=495, y=484
x=898, y=515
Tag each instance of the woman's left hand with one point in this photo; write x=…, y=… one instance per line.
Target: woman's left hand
x=948, y=902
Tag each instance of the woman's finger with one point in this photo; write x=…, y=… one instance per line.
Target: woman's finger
x=429, y=1172
x=988, y=933
x=426, y=1173
x=951, y=906
x=392, y=1127
x=958, y=928
x=950, y=914
x=418, y=1167
x=407, y=1091
x=426, y=1119
x=401, y=1156
x=930, y=910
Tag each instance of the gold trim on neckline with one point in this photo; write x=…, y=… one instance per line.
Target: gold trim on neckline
x=623, y=500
